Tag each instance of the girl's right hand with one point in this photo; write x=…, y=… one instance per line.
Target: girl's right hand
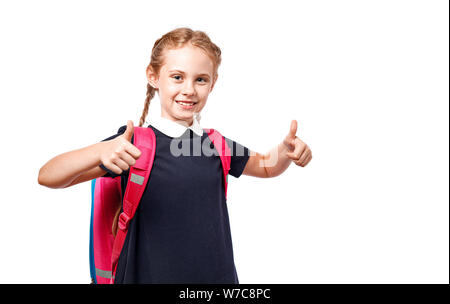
x=119, y=153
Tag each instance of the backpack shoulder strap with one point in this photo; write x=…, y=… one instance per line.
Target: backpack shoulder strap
x=145, y=141
x=224, y=152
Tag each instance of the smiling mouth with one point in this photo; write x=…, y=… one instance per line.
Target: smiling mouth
x=185, y=103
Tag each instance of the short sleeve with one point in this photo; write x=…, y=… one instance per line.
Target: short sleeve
x=239, y=157
x=109, y=172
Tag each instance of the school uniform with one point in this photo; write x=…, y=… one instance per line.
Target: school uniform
x=181, y=231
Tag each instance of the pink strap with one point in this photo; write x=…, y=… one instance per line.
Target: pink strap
x=145, y=141
x=224, y=153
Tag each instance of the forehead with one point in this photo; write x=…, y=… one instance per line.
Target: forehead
x=189, y=59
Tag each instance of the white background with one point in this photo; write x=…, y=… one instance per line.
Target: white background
x=367, y=82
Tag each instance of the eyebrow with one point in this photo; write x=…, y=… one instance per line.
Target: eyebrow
x=201, y=74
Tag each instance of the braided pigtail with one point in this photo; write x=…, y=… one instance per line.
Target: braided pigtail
x=148, y=98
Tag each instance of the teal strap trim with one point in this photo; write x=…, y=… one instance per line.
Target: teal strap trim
x=91, y=235
x=103, y=273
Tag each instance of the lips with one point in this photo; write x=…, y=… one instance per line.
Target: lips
x=185, y=104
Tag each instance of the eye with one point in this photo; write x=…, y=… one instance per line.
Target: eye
x=202, y=79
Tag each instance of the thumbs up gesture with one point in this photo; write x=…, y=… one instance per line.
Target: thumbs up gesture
x=128, y=134
x=299, y=152
x=119, y=153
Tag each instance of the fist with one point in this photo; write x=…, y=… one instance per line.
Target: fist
x=119, y=153
x=299, y=152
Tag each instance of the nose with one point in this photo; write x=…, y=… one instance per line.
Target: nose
x=188, y=88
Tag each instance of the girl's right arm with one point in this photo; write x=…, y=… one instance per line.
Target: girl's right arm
x=81, y=165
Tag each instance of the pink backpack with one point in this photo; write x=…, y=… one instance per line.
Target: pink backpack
x=104, y=248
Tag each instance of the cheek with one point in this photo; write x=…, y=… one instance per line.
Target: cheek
x=171, y=87
x=204, y=91
x=168, y=92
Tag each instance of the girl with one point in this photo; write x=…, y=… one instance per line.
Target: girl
x=180, y=232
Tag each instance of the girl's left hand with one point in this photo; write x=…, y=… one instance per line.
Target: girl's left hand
x=299, y=153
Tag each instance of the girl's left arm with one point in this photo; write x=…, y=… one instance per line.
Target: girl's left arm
x=277, y=160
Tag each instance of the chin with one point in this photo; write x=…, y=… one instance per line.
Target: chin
x=184, y=116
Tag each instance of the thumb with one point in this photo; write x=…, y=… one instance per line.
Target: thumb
x=293, y=130
x=129, y=131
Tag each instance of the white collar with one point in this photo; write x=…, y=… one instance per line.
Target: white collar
x=174, y=129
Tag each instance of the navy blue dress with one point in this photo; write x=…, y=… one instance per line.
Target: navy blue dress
x=180, y=233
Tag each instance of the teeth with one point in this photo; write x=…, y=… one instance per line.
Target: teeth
x=184, y=103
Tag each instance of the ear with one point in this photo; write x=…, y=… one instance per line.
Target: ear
x=214, y=82
x=152, y=78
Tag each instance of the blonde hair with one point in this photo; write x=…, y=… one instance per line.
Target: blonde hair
x=174, y=39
